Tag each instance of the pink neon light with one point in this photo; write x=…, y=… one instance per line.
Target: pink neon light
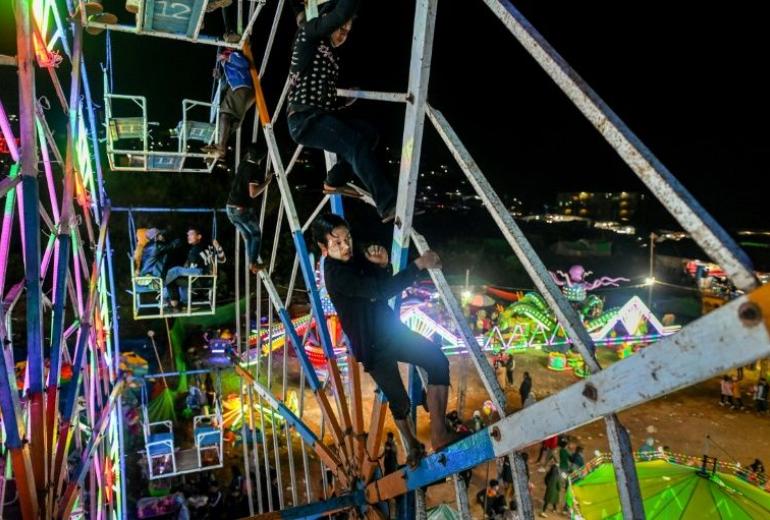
x=5, y=127
x=48, y=174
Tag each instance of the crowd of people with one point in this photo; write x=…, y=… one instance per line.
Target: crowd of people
x=731, y=393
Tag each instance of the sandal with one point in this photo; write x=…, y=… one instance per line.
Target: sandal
x=213, y=5
x=416, y=454
x=345, y=191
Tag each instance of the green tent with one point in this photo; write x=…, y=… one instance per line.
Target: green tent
x=671, y=492
x=443, y=512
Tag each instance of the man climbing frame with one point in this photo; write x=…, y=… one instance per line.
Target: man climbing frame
x=248, y=183
x=359, y=287
x=237, y=97
x=314, y=115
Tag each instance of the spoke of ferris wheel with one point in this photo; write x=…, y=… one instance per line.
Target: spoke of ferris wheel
x=310, y=374
x=323, y=452
x=307, y=269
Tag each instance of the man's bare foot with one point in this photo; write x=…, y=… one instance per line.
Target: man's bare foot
x=415, y=455
x=442, y=441
x=257, y=267
x=345, y=191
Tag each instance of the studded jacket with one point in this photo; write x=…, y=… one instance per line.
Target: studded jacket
x=315, y=63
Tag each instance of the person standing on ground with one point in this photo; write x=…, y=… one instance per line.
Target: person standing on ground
x=548, y=447
x=360, y=286
x=737, y=399
x=577, y=458
x=552, y=489
x=390, y=455
x=510, y=364
x=248, y=184
x=478, y=421
x=314, y=115
x=760, y=396
x=726, y=388
x=506, y=475
x=525, y=388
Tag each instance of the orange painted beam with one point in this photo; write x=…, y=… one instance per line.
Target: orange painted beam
x=374, y=438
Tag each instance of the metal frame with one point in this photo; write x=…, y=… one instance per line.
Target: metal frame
x=529, y=426
x=194, y=37
x=152, y=160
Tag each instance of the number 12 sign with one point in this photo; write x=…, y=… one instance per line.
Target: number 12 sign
x=173, y=16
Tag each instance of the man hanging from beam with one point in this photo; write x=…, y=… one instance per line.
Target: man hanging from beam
x=360, y=286
x=315, y=118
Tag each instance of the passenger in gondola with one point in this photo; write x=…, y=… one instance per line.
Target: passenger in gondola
x=201, y=259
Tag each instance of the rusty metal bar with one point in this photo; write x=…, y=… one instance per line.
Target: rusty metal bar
x=709, y=235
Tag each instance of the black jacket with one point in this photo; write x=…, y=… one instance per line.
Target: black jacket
x=525, y=388
x=360, y=292
x=315, y=63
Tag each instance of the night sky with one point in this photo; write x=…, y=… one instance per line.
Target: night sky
x=685, y=78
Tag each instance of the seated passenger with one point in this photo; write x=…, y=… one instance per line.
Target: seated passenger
x=201, y=259
x=152, y=252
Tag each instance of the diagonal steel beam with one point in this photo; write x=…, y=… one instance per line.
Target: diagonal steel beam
x=709, y=235
x=13, y=422
x=414, y=124
x=8, y=184
x=625, y=470
x=67, y=499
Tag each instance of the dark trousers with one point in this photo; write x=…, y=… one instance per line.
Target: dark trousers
x=408, y=347
x=726, y=399
x=246, y=222
x=177, y=281
x=354, y=142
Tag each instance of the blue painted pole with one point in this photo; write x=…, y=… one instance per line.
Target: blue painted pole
x=337, y=206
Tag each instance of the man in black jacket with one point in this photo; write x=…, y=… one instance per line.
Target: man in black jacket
x=248, y=184
x=359, y=287
x=314, y=115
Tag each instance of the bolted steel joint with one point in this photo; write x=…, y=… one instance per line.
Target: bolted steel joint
x=750, y=314
x=590, y=392
x=495, y=433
